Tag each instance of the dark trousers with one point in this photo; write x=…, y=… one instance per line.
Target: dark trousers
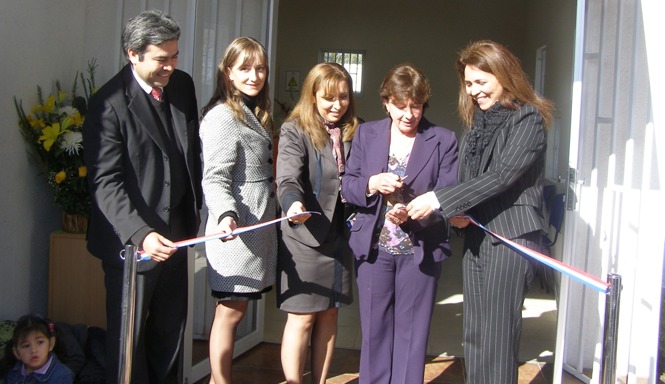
x=396, y=298
x=161, y=312
x=495, y=284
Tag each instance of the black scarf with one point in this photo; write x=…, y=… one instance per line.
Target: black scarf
x=485, y=124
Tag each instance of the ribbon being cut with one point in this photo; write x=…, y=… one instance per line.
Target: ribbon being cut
x=222, y=235
x=581, y=276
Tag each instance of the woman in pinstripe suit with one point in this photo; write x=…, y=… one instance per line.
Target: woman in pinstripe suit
x=500, y=185
x=238, y=185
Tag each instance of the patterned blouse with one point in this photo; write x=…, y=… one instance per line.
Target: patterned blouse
x=393, y=239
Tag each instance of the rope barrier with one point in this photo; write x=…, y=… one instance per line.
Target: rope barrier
x=224, y=235
x=586, y=278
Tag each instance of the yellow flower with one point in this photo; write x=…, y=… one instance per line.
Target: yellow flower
x=83, y=171
x=36, y=123
x=61, y=96
x=50, y=135
x=77, y=119
x=60, y=177
x=49, y=105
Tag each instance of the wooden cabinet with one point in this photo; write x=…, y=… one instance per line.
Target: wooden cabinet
x=76, y=282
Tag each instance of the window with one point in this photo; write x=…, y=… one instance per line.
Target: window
x=351, y=60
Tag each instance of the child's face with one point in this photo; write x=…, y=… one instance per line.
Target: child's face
x=33, y=350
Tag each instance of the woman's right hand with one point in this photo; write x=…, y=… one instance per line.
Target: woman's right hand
x=384, y=183
x=296, y=208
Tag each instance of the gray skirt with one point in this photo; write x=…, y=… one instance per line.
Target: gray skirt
x=313, y=279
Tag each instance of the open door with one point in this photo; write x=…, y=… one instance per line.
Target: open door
x=212, y=25
x=614, y=217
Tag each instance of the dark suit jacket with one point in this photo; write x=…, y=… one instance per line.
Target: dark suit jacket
x=309, y=176
x=432, y=165
x=507, y=194
x=128, y=169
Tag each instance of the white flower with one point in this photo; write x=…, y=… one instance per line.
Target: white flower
x=71, y=142
x=67, y=110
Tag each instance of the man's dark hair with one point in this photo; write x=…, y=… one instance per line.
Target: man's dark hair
x=151, y=27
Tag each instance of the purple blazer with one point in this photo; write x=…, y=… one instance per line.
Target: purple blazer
x=432, y=165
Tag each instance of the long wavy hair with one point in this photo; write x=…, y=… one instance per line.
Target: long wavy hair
x=247, y=50
x=494, y=58
x=326, y=77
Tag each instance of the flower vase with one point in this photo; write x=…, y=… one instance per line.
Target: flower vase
x=74, y=222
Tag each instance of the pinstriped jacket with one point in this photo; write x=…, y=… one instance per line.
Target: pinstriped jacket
x=238, y=177
x=506, y=196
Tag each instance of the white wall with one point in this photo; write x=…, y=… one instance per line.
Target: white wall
x=552, y=23
x=427, y=34
x=42, y=41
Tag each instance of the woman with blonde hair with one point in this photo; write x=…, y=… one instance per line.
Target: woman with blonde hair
x=501, y=186
x=238, y=185
x=314, y=262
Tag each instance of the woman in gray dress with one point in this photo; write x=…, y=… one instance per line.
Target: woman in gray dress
x=238, y=185
x=314, y=262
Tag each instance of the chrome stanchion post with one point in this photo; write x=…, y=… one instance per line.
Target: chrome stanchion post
x=608, y=368
x=128, y=310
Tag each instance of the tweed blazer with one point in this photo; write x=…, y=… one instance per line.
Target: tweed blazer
x=507, y=194
x=309, y=176
x=432, y=165
x=238, y=177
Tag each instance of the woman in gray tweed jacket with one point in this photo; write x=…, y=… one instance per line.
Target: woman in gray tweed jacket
x=238, y=185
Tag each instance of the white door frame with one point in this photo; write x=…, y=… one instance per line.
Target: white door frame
x=615, y=225
x=254, y=319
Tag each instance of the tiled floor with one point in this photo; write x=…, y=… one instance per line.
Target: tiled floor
x=445, y=364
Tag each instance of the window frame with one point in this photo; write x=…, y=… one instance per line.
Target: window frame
x=354, y=69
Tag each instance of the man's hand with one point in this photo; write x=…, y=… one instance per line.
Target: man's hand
x=158, y=247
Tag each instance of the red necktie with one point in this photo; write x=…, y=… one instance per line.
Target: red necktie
x=156, y=93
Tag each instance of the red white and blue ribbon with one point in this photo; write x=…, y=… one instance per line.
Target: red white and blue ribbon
x=555, y=264
x=235, y=232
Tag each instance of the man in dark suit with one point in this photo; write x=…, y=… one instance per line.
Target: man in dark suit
x=142, y=151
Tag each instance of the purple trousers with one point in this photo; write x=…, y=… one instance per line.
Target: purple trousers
x=396, y=298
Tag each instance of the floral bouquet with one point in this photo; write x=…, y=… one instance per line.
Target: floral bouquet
x=53, y=135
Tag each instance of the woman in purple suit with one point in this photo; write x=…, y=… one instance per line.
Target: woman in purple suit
x=398, y=260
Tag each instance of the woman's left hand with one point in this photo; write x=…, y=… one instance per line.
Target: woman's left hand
x=227, y=225
x=398, y=214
